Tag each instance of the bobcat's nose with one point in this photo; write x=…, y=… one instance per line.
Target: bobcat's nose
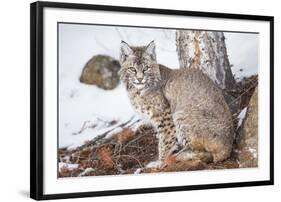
x=139, y=80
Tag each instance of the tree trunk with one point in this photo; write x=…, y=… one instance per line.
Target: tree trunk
x=207, y=51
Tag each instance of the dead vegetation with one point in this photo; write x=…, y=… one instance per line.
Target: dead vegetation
x=128, y=151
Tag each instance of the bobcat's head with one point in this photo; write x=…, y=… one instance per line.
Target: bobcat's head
x=139, y=68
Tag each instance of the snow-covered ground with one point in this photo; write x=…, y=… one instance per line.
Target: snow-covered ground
x=89, y=108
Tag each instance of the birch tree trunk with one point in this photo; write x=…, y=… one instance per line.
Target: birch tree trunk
x=207, y=51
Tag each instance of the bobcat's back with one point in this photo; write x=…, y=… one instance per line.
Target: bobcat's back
x=200, y=113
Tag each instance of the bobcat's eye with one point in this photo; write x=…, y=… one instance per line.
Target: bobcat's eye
x=146, y=68
x=132, y=69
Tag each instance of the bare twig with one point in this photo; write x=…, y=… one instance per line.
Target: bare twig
x=93, y=125
x=132, y=141
x=103, y=135
x=239, y=97
x=84, y=127
x=120, y=34
x=129, y=156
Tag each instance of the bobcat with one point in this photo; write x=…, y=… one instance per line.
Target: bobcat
x=186, y=108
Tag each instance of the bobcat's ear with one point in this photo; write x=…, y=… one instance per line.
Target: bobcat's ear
x=125, y=51
x=150, y=49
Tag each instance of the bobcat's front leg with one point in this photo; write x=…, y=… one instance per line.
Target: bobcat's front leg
x=166, y=134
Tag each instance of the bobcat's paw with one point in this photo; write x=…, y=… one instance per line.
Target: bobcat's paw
x=155, y=164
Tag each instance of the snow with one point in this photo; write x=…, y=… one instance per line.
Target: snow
x=89, y=104
x=68, y=166
x=154, y=164
x=253, y=152
x=138, y=171
x=86, y=171
x=241, y=117
x=85, y=110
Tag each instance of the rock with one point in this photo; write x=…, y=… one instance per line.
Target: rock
x=102, y=71
x=248, y=139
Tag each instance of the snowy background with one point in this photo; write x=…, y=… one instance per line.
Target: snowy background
x=91, y=108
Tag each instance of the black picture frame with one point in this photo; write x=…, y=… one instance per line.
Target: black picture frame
x=37, y=98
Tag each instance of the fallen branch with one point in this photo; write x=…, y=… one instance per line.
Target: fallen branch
x=103, y=135
x=93, y=125
x=84, y=127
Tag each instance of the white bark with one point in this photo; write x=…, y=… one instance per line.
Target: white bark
x=205, y=50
